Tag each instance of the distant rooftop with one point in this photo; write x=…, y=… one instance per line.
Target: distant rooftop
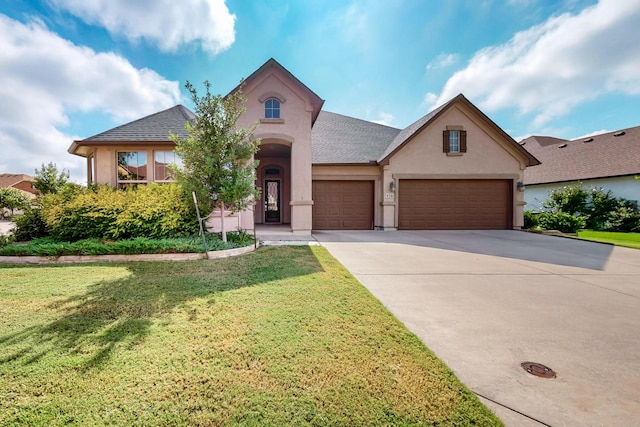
x=598, y=156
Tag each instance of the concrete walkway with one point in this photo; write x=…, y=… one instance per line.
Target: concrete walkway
x=275, y=235
x=486, y=301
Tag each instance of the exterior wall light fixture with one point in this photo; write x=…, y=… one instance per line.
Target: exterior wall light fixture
x=392, y=186
x=520, y=186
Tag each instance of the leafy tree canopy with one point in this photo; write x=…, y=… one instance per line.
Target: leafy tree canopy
x=49, y=180
x=218, y=154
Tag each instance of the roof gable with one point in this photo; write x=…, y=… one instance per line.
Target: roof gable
x=315, y=102
x=596, y=156
x=408, y=133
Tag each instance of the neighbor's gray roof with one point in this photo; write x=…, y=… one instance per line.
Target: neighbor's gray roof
x=597, y=156
x=155, y=127
x=340, y=139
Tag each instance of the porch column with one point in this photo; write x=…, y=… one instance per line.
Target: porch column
x=301, y=201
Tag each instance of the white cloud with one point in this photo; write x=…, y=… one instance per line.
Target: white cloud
x=168, y=23
x=549, y=69
x=430, y=101
x=386, y=119
x=443, y=60
x=46, y=77
x=594, y=133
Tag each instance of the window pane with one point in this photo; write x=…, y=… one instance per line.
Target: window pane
x=272, y=109
x=132, y=165
x=454, y=141
x=162, y=164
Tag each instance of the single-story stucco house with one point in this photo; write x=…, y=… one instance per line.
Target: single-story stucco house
x=610, y=161
x=452, y=169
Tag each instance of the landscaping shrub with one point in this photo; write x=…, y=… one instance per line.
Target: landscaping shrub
x=531, y=220
x=561, y=221
x=6, y=240
x=625, y=218
x=571, y=199
x=153, y=211
x=599, y=209
x=30, y=225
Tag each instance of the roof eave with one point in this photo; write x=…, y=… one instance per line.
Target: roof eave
x=582, y=179
x=83, y=147
x=370, y=163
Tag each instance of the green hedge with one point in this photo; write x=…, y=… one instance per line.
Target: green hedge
x=560, y=221
x=153, y=211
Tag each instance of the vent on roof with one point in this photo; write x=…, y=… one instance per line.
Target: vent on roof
x=588, y=140
x=562, y=145
x=619, y=133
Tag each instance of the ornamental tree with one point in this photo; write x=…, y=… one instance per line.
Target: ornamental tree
x=12, y=198
x=218, y=155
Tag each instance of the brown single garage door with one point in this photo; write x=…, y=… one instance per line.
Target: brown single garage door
x=342, y=205
x=455, y=204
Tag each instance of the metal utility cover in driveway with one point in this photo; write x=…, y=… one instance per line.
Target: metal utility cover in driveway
x=487, y=301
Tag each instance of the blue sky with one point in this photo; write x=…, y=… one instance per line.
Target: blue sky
x=73, y=68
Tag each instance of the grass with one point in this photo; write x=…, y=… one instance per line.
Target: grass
x=49, y=247
x=281, y=336
x=629, y=240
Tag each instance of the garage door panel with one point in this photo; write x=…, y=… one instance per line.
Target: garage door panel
x=454, y=204
x=342, y=205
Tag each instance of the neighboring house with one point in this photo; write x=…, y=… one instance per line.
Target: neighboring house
x=452, y=169
x=20, y=182
x=609, y=160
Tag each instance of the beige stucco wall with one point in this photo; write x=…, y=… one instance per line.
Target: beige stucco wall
x=293, y=128
x=488, y=156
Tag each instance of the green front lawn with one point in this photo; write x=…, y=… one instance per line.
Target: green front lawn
x=630, y=240
x=281, y=336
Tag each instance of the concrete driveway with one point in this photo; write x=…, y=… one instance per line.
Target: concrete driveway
x=486, y=301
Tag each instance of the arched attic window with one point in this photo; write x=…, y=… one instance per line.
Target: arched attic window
x=272, y=109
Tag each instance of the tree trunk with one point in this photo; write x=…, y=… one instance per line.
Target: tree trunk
x=222, y=230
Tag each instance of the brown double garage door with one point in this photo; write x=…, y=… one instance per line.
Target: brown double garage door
x=455, y=204
x=423, y=204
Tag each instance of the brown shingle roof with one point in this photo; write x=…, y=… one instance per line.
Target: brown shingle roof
x=597, y=156
x=11, y=179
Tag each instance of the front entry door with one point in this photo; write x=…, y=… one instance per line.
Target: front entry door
x=272, y=201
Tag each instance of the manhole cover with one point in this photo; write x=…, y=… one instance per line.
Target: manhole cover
x=538, y=369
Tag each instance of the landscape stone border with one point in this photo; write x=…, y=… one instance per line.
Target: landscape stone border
x=66, y=259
